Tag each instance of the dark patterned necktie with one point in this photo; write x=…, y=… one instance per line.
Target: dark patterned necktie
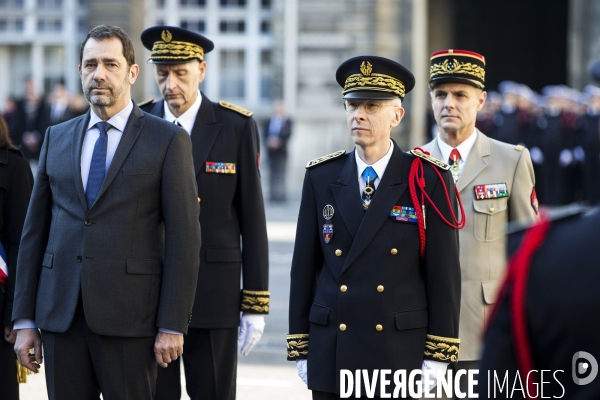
x=177, y=123
x=369, y=175
x=98, y=164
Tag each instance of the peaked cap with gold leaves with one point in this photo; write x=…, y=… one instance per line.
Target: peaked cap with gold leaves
x=373, y=77
x=457, y=66
x=174, y=45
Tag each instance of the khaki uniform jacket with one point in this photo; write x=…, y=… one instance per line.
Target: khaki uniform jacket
x=483, y=253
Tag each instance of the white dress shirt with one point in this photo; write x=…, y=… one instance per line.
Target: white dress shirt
x=379, y=168
x=464, y=149
x=117, y=123
x=187, y=119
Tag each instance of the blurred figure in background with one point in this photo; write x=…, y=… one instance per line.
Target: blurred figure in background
x=57, y=108
x=590, y=123
x=16, y=182
x=277, y=132
x=30, y=108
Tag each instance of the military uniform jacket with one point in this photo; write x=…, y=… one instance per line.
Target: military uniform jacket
x=365, y=300
x=483, y=239
x=232, y=208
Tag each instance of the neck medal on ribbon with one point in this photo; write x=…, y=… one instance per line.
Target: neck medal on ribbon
x=327, y=228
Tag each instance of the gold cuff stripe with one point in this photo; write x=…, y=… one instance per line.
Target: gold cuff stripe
x=181, y=50
x=255, y=301
x=297, y=346
x=459, y=68
x=380, y=82
x=442, y=348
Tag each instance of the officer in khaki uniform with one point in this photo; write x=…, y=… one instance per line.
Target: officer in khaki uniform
x=495, y=181
x=362, y=295
x=225, y=149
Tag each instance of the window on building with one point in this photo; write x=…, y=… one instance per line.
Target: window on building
x=19, y=25
x=232, y=3
x=198, y=26
x=3, y=25
x=265, y=3
x=232, y=81
x=49, y=3
x=266, y=75
x=200, y=3
x=82, y=26
x=49, y=25
x=232, y=26
x=160, y=3
x=265, y=27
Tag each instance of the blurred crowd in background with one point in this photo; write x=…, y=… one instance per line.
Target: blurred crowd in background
x=30, y=116
x=561, y=128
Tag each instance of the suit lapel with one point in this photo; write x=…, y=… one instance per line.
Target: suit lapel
x=79, y=131
x=205, y=131
x=347, y=198
x=387, y=194
x=130, y=135
x=476, y=161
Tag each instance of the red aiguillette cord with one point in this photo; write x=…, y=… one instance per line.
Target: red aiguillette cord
x=416, y=178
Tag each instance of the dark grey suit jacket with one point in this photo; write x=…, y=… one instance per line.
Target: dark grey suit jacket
x=133, y=256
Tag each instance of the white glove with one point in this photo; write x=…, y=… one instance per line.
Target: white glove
x=301, y=367
x=252, y=327
x=431, y=368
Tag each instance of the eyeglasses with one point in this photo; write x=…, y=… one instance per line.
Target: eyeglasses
x=371, y=107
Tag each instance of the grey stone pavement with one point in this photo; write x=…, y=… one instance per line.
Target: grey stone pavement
x=265, y=373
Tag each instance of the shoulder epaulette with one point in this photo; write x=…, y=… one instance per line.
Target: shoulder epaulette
x=519, y=147
x=145, y=102
x=243, y=111
x=438, y=163
x=328, y=157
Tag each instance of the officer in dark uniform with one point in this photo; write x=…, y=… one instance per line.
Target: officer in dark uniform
x=225, y=145
x=546, y=317
x=364, y=293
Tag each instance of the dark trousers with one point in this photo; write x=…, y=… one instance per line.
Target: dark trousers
x=9, y=387
x=277, y=164
x=210, y=366
x=81, y=364
x=463, y=384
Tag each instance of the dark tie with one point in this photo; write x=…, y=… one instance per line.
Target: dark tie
x=369, y=175
x=98, y=164
x=177, y=123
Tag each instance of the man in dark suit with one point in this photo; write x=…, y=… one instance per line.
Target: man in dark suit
x=225, y=148
x=364, y=294
x=276, y=134
x=109, y=254
x=543, y=337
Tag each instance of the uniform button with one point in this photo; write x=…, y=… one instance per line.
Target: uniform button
x=379, y=327
x=342, y=327
x=338, y=252
x=380, y=288
x=343, y=288
x=491, y=209
x=87, y=222
x=198, y=199
x=79, y=258
x=394, y=251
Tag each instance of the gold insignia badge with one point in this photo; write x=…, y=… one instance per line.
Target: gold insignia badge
x=366, y=68
x=166, y=36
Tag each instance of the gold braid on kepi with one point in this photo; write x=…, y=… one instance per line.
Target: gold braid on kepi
x=255, y=301
x=438, y=348
x=174, y=45
x=297, y=347
x=374, y=78
x=457, y=66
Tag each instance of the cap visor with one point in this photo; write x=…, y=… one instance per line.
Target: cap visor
x=370, y=95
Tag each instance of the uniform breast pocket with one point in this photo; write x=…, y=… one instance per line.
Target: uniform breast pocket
x=489, y=219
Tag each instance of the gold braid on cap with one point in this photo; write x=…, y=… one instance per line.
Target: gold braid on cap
x=457, y=67
x=175, y=50
x=367, y=80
